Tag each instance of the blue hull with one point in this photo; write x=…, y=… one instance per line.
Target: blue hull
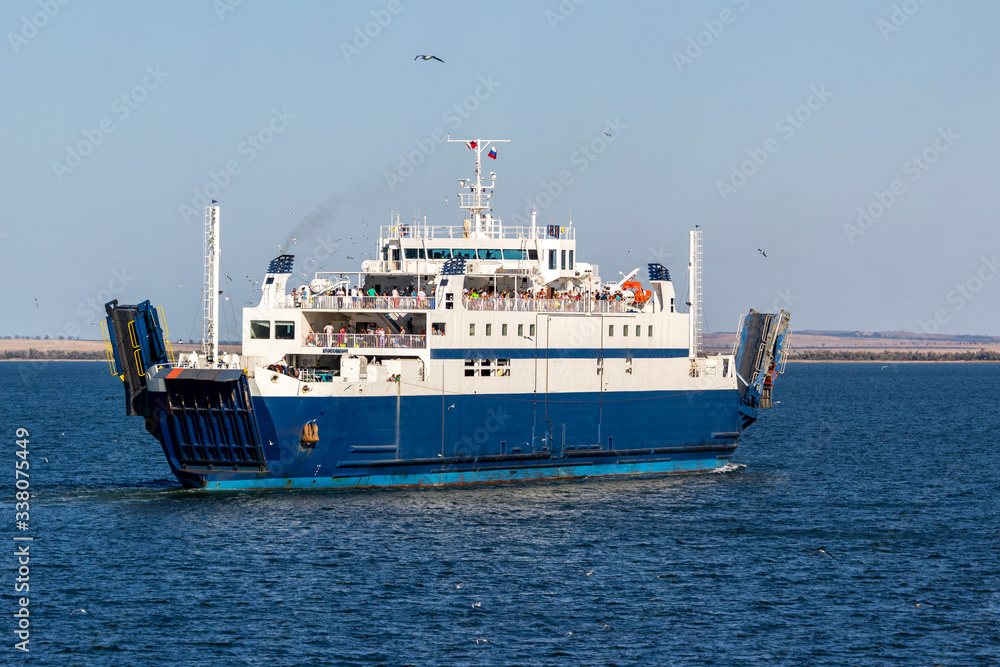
x=369, y=441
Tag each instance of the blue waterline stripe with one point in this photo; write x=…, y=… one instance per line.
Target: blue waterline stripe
x=492, y=476
x=557, y=353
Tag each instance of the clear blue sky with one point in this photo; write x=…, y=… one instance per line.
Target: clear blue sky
x=822, y=106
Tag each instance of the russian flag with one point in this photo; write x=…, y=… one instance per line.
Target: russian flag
x=492, y=153
x=471, y=144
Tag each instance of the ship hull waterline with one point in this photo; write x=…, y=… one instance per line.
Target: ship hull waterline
x=417, y=441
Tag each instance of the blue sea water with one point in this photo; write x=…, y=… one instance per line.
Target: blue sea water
x=893, y=472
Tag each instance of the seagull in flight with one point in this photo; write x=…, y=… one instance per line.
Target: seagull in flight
x=762, y=252
x=483, y=640
x=606, y=134
x=36, y=302
x=428, y=58
x=588, y=572
x=477, y=604
x=605, y=626
x=450, y=407
x=821, y=551
x=294, y=240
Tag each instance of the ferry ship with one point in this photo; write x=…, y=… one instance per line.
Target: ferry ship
x=469, y=354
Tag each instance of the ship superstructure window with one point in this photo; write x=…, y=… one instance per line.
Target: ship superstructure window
x=503, y=329
x=463, y=253
x=531, y=329
x=260, y=329
x=513, y=254
x=637, y=330
x=650, y=330
x=437, y=328
x=570, y=260
x=489, y=329
x=440, y=253
x=520, y=330
x=552, y=259
x=472, y=329
x=489, y=254
x=487, y=367
x=562, y=260
x=611, y=330
x=625, y=330
x=533, y=254
x=414, y=253
x=284, y=330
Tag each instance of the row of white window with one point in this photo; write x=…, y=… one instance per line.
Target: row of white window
x=625, y=328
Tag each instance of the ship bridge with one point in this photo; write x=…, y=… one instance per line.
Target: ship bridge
x=537, y=254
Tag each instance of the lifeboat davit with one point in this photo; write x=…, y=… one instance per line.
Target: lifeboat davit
x=641, y=295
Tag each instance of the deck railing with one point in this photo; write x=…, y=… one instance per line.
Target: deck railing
x=488, y=303
x=385, y=303
x=348, y=340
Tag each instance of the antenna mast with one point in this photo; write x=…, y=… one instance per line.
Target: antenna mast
x=694, y=294
x=478, y=199
x=210, y=286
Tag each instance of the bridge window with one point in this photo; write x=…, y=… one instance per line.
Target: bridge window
x=489, y=254
x=552, y=259
x=570, y=260
x=260, y=329
x=414, y=253
x=284, y=330
x=562, y=259
x=440, y=253
x=463, y=253
x=513, y=254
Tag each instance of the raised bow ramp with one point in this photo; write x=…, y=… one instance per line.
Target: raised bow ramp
x=761, y=352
